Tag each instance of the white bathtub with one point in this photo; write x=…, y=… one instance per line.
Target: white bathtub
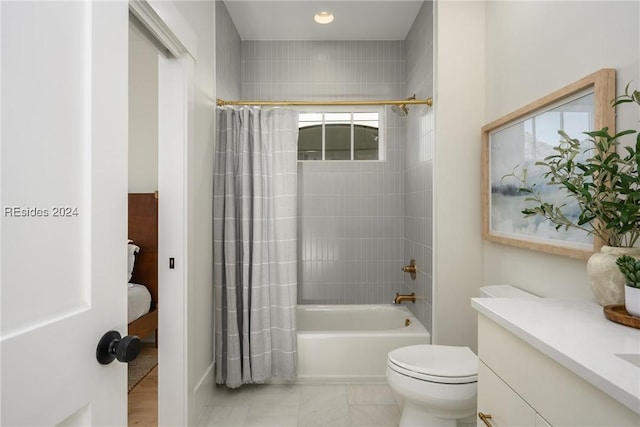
x=350, y=343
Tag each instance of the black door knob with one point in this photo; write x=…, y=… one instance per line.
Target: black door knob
x=113, y=346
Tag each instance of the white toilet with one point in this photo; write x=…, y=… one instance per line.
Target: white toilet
x=439, y=383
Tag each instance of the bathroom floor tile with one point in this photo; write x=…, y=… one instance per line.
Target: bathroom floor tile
x=374, y=415
x=337, y=416
x=302, y=405
x=267, y=394
x=223, y=396
x=272, y=415
x=323, y=405
x=313, y=393
x=224, y=416
x=370, y=394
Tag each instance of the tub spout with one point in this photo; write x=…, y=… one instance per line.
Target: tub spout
x=403, y=297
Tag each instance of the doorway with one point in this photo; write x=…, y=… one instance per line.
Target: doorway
x=174, y=85
x=143, y=178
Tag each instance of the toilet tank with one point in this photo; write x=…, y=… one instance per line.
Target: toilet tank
x=504, y=291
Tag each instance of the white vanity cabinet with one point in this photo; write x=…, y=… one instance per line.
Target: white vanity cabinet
x=497, y=400
x=520, y=386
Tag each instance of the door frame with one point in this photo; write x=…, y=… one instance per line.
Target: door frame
x=177, y=43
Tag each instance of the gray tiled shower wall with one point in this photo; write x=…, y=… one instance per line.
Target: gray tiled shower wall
x=350, y=217
x=419, y=163
x=360, y=222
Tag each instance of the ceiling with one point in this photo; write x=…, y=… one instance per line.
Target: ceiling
x=293, y=19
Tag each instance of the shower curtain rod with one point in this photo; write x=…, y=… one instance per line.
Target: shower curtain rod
x=428, y=101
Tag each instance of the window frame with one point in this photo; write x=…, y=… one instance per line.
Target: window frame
x=351, y=109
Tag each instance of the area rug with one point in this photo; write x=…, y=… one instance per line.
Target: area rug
x=140, y=367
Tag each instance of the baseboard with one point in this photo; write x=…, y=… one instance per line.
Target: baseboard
x=203, y=392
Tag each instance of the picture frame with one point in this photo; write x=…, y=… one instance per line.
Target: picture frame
x=516, y=141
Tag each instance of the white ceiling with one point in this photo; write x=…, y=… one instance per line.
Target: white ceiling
x=293, y=19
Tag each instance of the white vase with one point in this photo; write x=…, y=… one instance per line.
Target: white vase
x=607, y=283
x=632, y=300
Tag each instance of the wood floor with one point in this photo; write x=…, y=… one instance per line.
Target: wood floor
x=143, y=399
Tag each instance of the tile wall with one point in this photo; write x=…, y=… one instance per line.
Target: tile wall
x=227, y=55
x=350, y=218
x=418, y=171
x=360, y=222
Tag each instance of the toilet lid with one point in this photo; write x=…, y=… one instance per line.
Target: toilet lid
x=442, y=364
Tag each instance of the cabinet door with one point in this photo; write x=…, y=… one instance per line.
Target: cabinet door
x=497, y=399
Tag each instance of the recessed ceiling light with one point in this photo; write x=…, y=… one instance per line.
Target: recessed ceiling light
x=323, y=18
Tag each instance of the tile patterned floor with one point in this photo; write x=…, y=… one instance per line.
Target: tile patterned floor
x=299, y=405
x=303, y=405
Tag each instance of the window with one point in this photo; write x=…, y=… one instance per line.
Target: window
x=340, y=135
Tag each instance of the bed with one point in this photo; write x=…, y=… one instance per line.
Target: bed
x=143, y=283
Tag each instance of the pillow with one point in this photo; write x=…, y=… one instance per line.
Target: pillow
x=132, y=250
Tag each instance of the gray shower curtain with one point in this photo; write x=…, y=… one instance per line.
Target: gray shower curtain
x=254, y=231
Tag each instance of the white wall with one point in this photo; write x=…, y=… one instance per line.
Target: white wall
x=534, y=48
x=143, y=114
x=491, y=58
x=459, y=110
x=200, y=15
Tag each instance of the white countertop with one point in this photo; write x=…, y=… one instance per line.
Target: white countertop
x=574, y=333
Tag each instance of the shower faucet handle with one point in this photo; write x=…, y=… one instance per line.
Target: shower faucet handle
x=411, y=269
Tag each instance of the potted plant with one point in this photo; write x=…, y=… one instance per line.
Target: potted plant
x=606, y=186
x=630, y=268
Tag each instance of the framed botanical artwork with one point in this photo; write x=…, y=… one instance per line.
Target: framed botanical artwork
x=514, y=143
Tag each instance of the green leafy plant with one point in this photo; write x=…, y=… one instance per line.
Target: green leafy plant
x=604, y=183
x=630, y=268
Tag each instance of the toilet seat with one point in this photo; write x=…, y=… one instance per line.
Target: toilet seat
x=435, y=363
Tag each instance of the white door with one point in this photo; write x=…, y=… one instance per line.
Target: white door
x=64, y=194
